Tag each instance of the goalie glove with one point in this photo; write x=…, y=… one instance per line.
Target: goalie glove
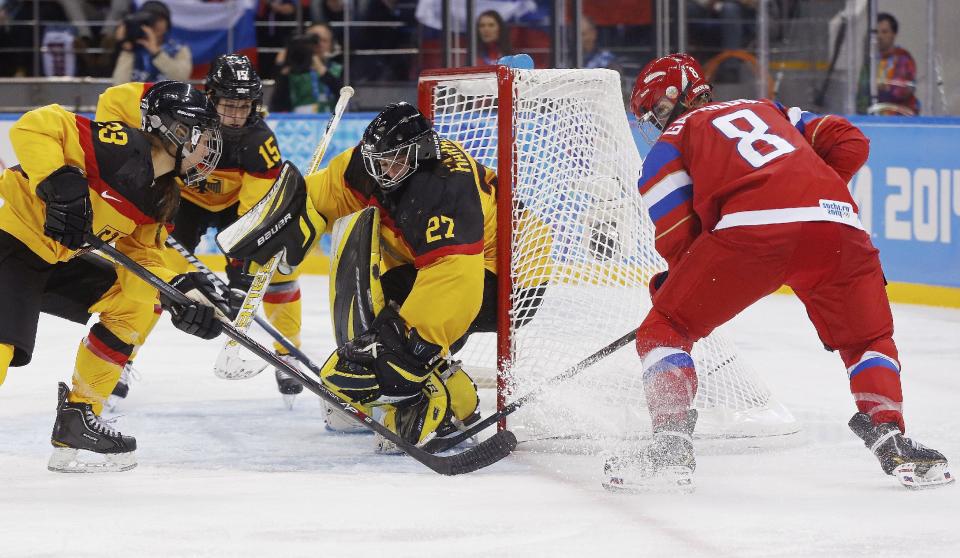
x=283, y=221
x=199, y=317
x=387, y=364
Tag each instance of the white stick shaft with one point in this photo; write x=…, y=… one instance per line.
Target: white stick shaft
x=345, y=94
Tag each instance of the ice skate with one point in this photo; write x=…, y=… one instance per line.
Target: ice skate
x=665, y=465
x=913, y=464
x=337, y=420
x=77, y=429
x=288, y=386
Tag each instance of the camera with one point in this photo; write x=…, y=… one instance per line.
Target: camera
x=133, y=22
x=300, y=52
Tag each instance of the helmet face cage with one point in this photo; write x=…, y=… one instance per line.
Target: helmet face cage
x=395, y=142
x=665, y=88
x=402, y=160
x=185, y=119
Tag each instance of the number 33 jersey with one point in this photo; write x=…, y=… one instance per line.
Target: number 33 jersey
x=741, y=163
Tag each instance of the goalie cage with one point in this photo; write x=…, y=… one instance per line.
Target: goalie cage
x=570, y=219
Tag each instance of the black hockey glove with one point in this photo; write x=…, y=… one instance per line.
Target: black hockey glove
x=197, y=317
x=400, y=361
x=656, y=282
x=69, y=215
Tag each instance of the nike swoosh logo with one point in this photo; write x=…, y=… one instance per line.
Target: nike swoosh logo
x=106, y=195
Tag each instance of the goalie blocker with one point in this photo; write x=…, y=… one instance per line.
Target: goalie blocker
x=284, y=220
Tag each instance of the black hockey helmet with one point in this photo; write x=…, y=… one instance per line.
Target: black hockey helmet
x=399, y=135
x=184, y=118
x=232, y=76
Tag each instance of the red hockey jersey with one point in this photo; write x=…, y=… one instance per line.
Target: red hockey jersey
x=748, y=162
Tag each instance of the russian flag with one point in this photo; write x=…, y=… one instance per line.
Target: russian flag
x=210, y=27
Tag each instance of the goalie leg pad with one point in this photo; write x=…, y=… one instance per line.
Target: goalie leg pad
x=356, y=296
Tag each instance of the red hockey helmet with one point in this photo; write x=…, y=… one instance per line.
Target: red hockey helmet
x=678, y=78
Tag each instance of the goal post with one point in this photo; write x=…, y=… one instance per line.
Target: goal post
x=575, y=253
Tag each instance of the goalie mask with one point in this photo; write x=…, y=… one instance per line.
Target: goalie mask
x=187, y=122
x=396, y=142
x=665, y=89
x=232, y=79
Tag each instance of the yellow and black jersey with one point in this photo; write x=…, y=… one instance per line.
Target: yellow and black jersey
x=442, y=220
x=126, y=202
x=248, y=166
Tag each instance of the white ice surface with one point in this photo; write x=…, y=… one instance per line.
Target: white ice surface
x=226, y=471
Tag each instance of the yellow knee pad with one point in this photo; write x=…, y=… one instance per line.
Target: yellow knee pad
x=464, y=399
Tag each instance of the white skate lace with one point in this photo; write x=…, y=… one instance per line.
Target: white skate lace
x=129, y=373
x=100, y=425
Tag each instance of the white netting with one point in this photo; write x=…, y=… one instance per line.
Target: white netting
x=583, y=253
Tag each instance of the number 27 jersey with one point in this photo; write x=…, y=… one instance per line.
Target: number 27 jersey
x=736, y=163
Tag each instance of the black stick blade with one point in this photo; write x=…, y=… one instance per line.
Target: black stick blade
x=486, y=453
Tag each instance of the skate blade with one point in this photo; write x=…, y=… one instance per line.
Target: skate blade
x=68, y=460
x=936, y=476
x=675, y=479
x=288, y=399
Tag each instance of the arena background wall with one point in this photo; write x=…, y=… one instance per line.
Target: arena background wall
x=908, y=193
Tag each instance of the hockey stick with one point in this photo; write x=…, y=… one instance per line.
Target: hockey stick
x=260, y=320
x=820, y=96
x=486, y=453
x=229, y=364
x=563, y=376
x=345, y=93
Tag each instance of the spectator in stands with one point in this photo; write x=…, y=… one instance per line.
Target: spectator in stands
x=493, y=38
x=146, y=53
x=309, y=81
x=896, y=75
x=594, y=57
x=328, y=11
x=271, y=35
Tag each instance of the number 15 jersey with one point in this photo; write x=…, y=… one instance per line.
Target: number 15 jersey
x=736, y=163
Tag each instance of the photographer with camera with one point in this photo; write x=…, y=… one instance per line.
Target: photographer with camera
x=311, y=74
x=145, y=52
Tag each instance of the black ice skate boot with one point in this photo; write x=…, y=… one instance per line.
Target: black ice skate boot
x=77, y=428
x=915, y=465
x=286, y=384
x=666, y=464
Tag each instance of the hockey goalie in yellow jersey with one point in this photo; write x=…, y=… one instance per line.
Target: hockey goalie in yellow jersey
x=414, y=273
x=79, y=177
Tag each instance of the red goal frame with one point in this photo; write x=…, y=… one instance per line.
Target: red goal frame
x=506, y=178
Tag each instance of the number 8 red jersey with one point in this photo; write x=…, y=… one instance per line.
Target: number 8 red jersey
x=737, y=163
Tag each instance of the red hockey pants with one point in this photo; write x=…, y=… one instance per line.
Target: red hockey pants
x=835, y=271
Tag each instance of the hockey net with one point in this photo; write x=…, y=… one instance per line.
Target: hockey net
x=579, y=248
